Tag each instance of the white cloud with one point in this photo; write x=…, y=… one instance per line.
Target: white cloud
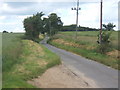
x=6, y=9
x=10, y=23
x=110, y=12
x=53, y=0
x=17, y=29
x=1, y=3
x=90, y=12
x=22, y=17
x=2, y=17
x=89, y=15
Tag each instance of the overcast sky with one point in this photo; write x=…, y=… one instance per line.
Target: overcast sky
x=13, y=12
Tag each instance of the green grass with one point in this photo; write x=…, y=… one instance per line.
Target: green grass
x=87, y=45
x=24, y=60
x=11, y=49
x=88, y=37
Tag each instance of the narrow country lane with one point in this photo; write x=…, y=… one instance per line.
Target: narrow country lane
x=103, y=76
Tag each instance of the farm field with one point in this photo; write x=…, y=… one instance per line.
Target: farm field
x=86, y=45
x=23, y=60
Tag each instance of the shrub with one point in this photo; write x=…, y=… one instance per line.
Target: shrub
x=105, y=45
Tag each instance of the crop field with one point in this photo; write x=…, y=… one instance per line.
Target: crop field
x=86, y=45
x=23, y=60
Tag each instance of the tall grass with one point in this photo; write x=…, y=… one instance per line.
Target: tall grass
x=11, y=49
x=24, y=60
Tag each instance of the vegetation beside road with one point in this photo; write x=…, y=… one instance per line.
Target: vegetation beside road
x=23, y=60
x=35, y=25
x=86, y=45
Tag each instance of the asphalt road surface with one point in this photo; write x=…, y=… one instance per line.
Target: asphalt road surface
x=103, y=76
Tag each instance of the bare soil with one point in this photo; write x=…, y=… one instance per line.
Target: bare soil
x=114, y=53
x=60, y=77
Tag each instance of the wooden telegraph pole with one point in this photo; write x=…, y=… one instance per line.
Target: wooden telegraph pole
x=77, y=9
x=101, y=21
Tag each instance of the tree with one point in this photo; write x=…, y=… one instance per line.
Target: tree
x=5, y=31
x=46, y=25
x=33, y=26
x=55, y=23
x=109, y=26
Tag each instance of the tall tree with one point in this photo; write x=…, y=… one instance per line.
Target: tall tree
x=33, y=26
x=109, y=26
x=55, y=23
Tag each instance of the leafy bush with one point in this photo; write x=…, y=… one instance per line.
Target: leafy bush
x=104, y=45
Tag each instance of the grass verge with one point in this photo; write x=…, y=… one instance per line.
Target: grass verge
x=85, y=48
x=28, y=60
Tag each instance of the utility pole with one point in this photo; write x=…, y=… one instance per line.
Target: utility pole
x=101, y=20
x=77, y=9
x=50, y=27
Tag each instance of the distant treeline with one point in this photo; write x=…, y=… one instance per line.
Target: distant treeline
x=6, y=32
x=80, y=28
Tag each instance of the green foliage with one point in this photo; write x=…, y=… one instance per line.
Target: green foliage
x=80, y=28
x=106, y=37
x=33, y=26
x=46, y=25
x=53, y=24
x=104, y=46
x=69, y=27
x=109, y=26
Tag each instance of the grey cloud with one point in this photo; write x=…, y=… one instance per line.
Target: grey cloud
x=53, y=0
x=28, y=8
x=20, y=4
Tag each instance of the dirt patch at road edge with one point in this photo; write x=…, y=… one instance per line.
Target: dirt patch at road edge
x=60, y=77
